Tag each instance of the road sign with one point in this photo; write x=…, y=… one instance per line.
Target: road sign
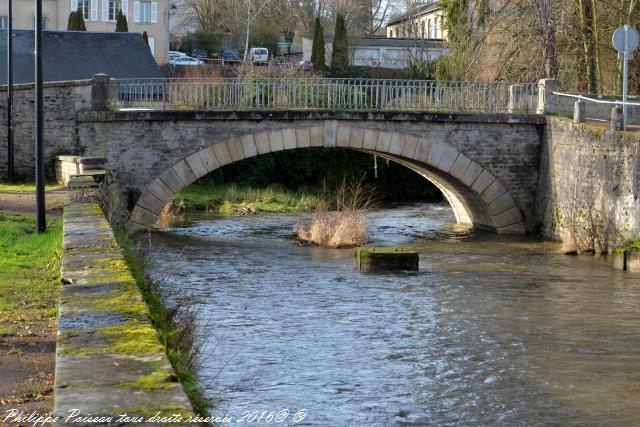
x=621, y=34
x=625, y=40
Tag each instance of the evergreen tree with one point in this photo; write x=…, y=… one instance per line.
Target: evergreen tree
x=121, y=23
x=317, y=51
x=340, y=54
x=76, y=21
x=145, y=37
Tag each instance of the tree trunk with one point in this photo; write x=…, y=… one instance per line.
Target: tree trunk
x=548, y=38
x=588, y=44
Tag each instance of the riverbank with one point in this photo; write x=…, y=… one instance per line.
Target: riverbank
x=231, y=199
x=29, y=291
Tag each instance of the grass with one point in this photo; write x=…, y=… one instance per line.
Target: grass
x=232, y=199
x=29, y=268
x=28, y=187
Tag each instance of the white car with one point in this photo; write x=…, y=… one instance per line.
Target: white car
x=259, y=55
x=176, y=53
x=184, y=60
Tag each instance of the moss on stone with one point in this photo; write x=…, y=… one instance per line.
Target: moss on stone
x=158, y=380
x=132, y=338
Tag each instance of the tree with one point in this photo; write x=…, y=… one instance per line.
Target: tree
x=121, y=23
x=76, y=21
x=145, y=37
x=340, y=53
x=317, y=51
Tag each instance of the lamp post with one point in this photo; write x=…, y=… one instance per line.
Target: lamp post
x=10, y=162
x=40, y=201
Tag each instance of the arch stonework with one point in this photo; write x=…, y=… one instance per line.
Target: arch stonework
x=476, y=196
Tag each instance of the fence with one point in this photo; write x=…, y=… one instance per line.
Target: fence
x=325, y=94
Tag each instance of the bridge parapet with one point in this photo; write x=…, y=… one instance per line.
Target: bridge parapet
x=327, y=94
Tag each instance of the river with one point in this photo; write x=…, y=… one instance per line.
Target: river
x=493, y=330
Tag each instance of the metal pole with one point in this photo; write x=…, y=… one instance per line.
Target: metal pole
x=40, y=201
x=10, y=148
x=625, y=77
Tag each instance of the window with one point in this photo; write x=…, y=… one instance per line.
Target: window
x=391, y=33
x=45, y=23
x=436, y=28
x=4, y=22
x=428, y=28
x=85, y=7
x=115, y=6
x=145, y=11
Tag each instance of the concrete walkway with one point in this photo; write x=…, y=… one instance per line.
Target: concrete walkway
x=109, y=360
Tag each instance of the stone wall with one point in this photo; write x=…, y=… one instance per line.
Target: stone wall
x=588, y=187
x=141, y=146
x=62, y=102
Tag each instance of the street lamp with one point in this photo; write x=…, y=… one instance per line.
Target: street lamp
x=40, y=202
x=10, y=167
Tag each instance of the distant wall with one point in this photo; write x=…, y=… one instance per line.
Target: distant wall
x=598, y=111
x=62, y=102
x=588, y=186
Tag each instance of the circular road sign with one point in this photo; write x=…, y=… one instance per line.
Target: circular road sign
x=619, y=36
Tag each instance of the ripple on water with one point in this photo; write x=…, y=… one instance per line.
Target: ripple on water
x=491, y=330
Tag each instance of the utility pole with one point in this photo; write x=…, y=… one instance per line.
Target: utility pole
x=11, y=177
x=41, y=224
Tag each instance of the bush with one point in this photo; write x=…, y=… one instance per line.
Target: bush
x=340, y=53
x=122, y=26
x=317, y=51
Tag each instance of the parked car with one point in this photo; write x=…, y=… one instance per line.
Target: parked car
x=230, y=54
x=259, y=55
x=305, y=65
x=176, y=53
x=184, y=60
x=199, y=53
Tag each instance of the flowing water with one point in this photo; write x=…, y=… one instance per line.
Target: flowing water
x=491, y=331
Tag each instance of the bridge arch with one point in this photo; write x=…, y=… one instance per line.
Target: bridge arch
x=475, y=194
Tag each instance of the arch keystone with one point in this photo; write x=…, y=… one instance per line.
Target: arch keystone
x=303, y=138
x=330, y=133
x=343, y=132
x=316, y=133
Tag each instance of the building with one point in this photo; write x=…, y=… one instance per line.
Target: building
x=99, y=16
x=423, y=21
x=65, y=53
x=382, y=52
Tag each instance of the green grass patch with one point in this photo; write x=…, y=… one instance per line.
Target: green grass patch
x=231, y=199
x=29, y=268
x=25, y=187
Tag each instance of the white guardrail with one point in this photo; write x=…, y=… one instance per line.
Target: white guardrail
x=325, y=94
x=597, y=101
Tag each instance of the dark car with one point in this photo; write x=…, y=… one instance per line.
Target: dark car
x=199, y=53
x=230, y=54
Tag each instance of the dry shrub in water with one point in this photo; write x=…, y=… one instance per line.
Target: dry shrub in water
x=344, y=227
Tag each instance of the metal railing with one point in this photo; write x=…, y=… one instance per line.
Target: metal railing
x=324, y=94
x=597, y=101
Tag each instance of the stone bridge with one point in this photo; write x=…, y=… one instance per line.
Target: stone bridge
x=486, y=165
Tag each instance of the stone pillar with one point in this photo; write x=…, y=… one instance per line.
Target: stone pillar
x=517, y=99
x=547, y=101
x=579, y=111
x=617, y=118
x=100, y=94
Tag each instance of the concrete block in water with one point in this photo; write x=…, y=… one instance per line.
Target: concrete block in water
x=618, y=259
x=386, y=258
x=632, y=261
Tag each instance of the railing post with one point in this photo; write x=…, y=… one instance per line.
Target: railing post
x=516, y=102
x=547, y=101
x=579, y=110
x=100, y=94
x=617, y=118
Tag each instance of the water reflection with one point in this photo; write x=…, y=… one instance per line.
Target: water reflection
x=492, y=330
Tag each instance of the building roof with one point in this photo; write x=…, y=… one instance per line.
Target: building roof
x=77, y=55
x=415, y=12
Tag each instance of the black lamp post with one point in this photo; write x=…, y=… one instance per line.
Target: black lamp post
x=40, y=202
x=10, y=168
